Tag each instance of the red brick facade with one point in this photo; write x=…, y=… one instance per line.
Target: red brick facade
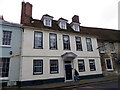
x=26, y=12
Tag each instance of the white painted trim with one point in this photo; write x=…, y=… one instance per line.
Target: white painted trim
x=111, y=64
x=7, y=46
x=4, y=78
x=60, y=56
x=112, y=51
x=62, y=23
x=45, y=20
x=102, y=51
x=37, y=58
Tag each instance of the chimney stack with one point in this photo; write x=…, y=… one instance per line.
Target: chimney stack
x=1, y=17
x=26, y=12
x=75, y=18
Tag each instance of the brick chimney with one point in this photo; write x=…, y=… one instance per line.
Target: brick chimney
x=75, y=18
x=26, y=12
x=1, y=17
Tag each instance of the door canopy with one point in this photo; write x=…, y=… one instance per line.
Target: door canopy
x=69, y=56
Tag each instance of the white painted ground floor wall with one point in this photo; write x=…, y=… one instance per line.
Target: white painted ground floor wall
x=26, y=70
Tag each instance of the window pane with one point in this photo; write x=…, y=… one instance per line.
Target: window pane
x=53, y=66
x=47, y=22
x=89, y=44
x=78, y=44
x=37, y=66
x=66, y=42
x=6, y=38
x=63, y=25
x=76, y=27
x=81, y=65
x=92, y=65
x=112, y=48
x=109, y=65
x=101, y=45
x=38, y=42
x=4, y=67
x=53, y=41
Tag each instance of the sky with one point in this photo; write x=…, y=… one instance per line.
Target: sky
x=92, y=13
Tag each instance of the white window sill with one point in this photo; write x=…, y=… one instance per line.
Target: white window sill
x=102, y=51
x=48, y=25
x=112, y=51
x=63, y=28
x=77, y=30
x=37, y=73
x=3, y=78
x=109, y=69
x=8, y=46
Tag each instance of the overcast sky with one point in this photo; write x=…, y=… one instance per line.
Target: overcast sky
x=92, y=13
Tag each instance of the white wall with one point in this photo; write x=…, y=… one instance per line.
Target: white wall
x=27, y=68
x=29, y=53
x=28, y=44
x=87, y=68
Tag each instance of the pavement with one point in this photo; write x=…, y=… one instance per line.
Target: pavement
x=74, y=83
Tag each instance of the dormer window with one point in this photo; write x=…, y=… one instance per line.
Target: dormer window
x=47, y=20
x=62, y=23
x=75, y=26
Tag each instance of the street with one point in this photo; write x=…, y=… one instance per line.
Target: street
x=101, y=85
x=111, y=85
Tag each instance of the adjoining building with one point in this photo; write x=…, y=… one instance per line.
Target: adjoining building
x=109, y=48
x=53, y=49
x=10, y=45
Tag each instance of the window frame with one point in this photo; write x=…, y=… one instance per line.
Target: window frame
x=89, y=44
x=80, y=44
x=9, y=40
x=4, y=62
x=41, y=67
x=41, y=47
x=111, y=44
x=76, y=28
x=101, y=47
x=110, y=63
x=93, y=68
x=68, y=43
x=48, y=22
x=83, y=65
x=63, y=25
x=57, y=66
x=56, y=47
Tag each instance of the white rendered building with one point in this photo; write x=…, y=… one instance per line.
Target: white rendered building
x=53, y=49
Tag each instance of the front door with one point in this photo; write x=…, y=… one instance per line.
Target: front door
x=68, y=71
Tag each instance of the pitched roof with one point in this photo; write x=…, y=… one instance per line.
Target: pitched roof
x=100, y=33
x=63, y=19
x=48, y=15
x=4, y=22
